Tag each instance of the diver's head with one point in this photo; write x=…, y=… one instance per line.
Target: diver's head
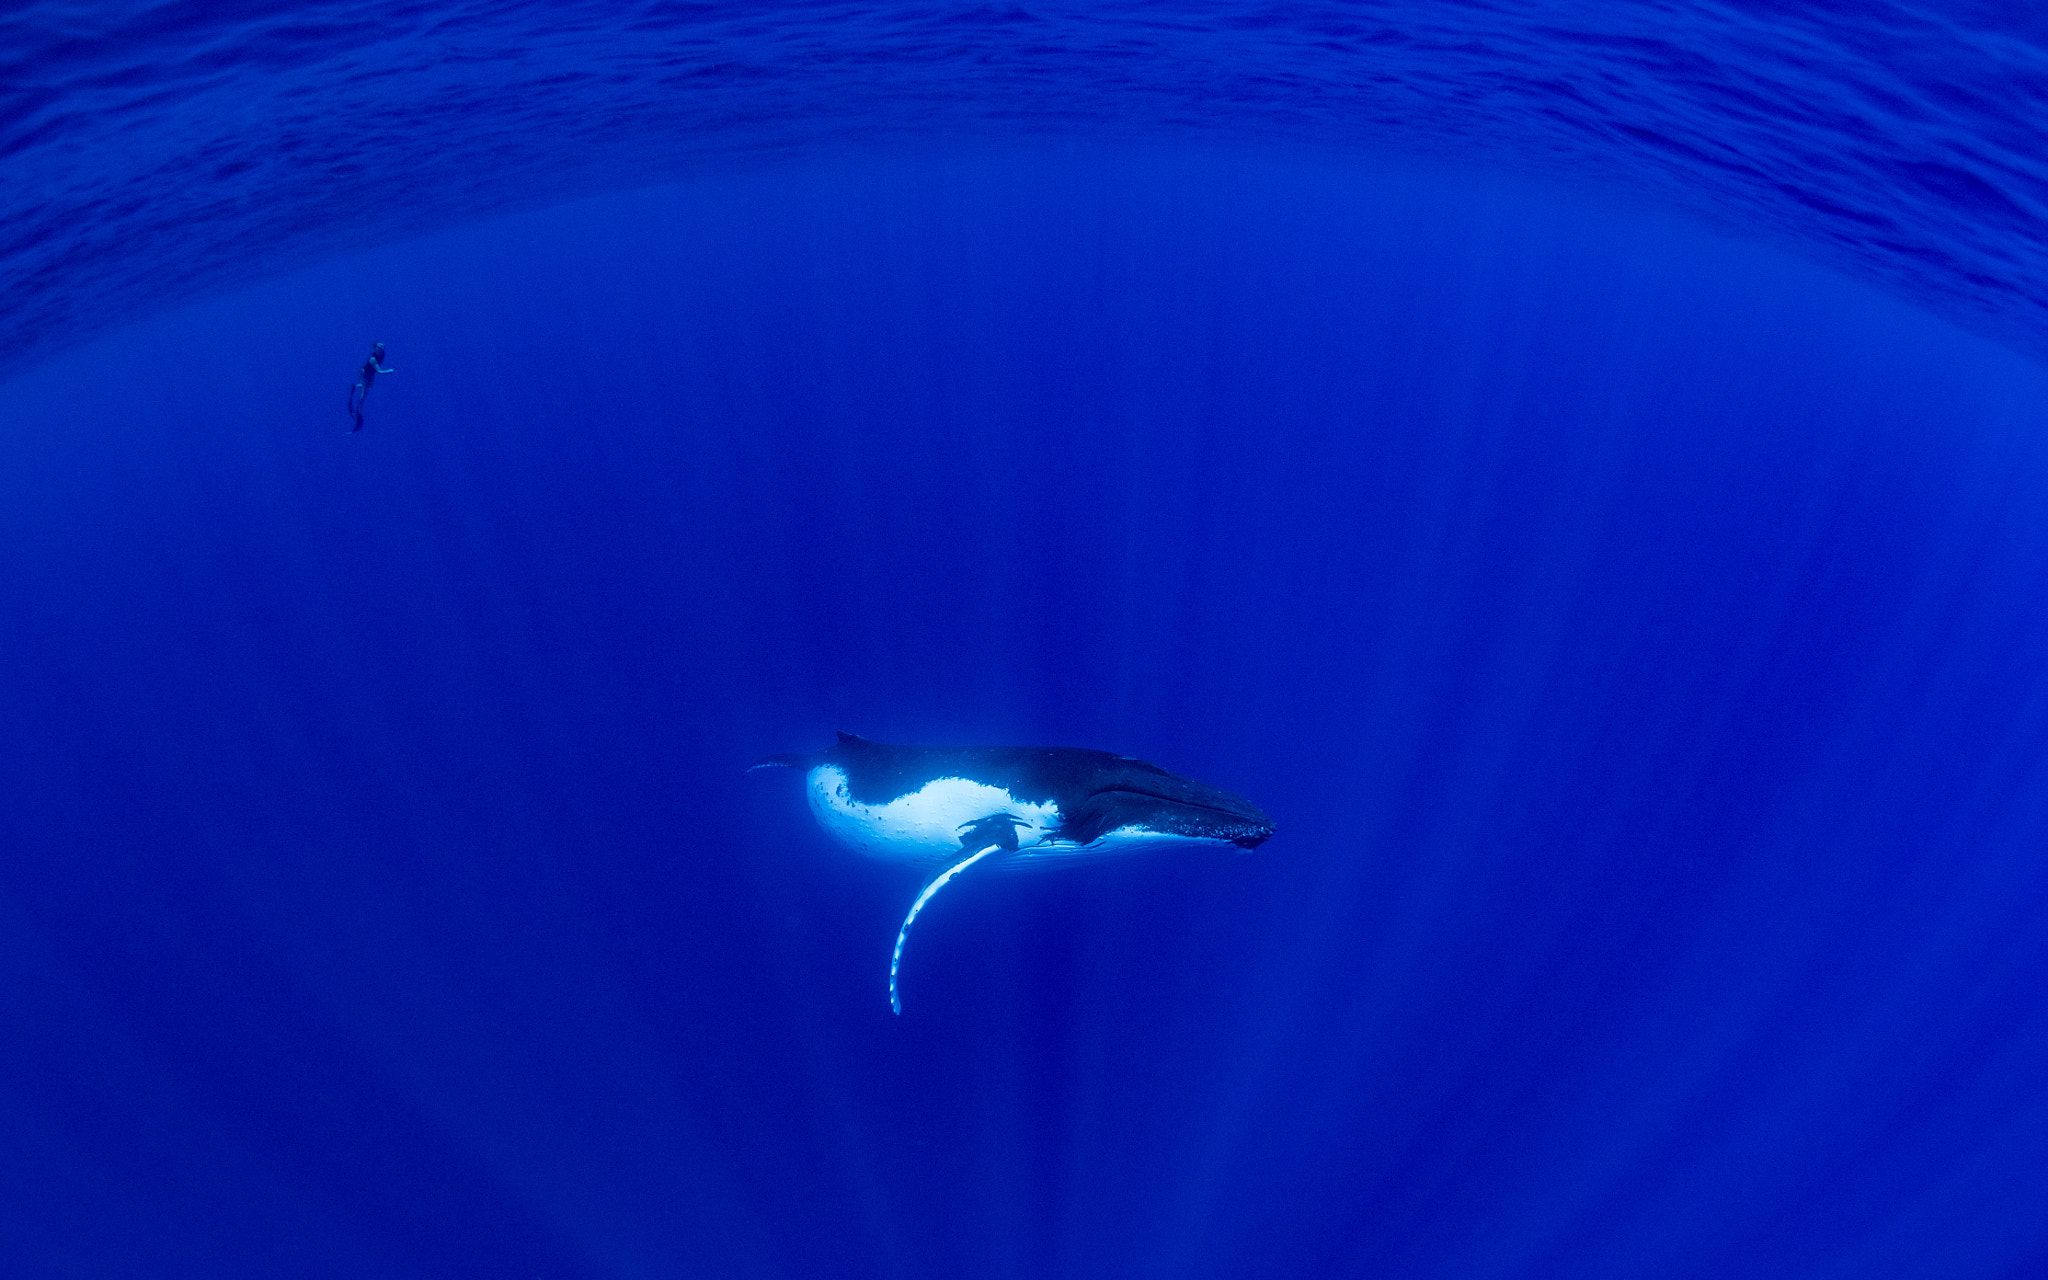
x=377, y=350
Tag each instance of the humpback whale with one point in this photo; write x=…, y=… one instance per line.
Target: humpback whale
x=953, y=807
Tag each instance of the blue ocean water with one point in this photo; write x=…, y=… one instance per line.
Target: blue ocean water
x=158, y=150
x=1580, y=469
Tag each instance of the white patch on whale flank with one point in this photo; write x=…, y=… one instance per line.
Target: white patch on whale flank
x=926, y=823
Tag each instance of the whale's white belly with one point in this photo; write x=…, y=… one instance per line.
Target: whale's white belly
x=1130, y=839
x=926, y=823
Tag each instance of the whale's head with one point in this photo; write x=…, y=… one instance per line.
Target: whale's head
x=1138, y=802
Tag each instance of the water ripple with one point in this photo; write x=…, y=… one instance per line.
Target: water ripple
x=154, y=152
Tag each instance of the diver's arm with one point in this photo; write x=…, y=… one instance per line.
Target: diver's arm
x=382, y=369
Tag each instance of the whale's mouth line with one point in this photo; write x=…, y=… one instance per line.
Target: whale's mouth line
x=1175, y=800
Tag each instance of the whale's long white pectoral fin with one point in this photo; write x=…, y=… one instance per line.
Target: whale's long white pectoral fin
x=903, y=934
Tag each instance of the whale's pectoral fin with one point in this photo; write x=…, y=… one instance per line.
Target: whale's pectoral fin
x=979, y=839
x=998, y=827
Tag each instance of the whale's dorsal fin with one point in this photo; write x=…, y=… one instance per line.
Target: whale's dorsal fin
x=805, y=759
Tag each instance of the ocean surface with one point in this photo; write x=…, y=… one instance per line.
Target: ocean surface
x=1582, y=469
x=156, y=151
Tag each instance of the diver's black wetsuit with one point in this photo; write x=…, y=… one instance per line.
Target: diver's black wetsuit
x=365, y=380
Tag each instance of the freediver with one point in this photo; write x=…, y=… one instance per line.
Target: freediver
x=364, y=381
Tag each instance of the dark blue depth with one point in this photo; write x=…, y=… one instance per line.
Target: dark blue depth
x=1637, y=637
